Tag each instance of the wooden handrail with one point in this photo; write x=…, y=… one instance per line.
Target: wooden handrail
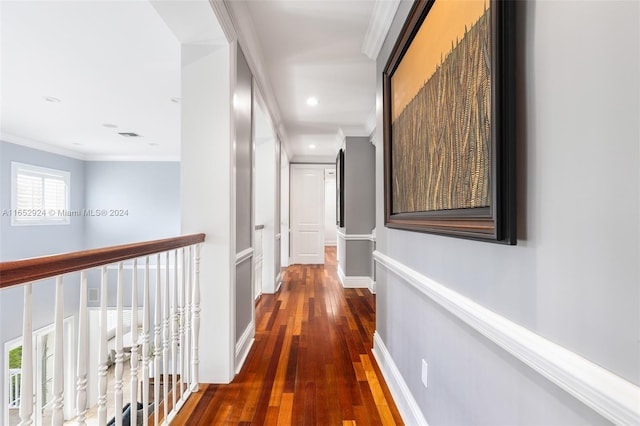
x=38, y=268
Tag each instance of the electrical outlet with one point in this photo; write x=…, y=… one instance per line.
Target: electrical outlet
x=424, y=373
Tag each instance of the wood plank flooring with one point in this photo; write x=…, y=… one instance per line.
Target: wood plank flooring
x=311, y=362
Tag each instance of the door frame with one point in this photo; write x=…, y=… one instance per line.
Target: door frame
x=293, y=166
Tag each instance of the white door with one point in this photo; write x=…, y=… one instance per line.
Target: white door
x=307, y=213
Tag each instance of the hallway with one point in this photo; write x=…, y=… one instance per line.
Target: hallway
x=311, y=361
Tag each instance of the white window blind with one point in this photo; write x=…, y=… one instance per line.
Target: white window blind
x=40, y=196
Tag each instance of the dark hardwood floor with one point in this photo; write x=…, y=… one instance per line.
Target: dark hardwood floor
x=311, y=361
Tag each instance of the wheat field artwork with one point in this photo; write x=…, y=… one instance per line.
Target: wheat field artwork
x=441, y=135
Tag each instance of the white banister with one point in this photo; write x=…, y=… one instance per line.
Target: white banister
x=57, y=415
x=181, y=325
x=26, y=398
x=83, y=350
x=118, y=394
x=166, y=342
x=195, y=382
x=174, y=329
x=188, y=285
x=145, y=344
x=102, y=349
x=157, y=343
x=134, y=343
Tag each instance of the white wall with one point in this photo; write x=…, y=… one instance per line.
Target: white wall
x=207, y=162
x=330, y=227
x=265, y=207
x=573, y=277
x=284, y=209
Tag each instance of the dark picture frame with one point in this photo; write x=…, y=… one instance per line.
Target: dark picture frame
x=340, y=189
x=449, y=122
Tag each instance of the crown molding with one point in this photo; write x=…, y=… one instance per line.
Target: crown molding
x=381, y=19
x=224, y=19
x=240, y=17
x=41, y=146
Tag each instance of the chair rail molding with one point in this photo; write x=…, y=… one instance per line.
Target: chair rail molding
x=244, y=255
x=609, y=395
x=357, y=237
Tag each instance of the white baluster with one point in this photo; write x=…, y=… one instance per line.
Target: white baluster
x=187, y=349
x=57, y=415
x=182, y=328
x=119, y=350
x=174, y=328
x=26, y=385
x=195, y=385
x=165, y=343
x=103, y=348
x=145, y=345
x=157, y=340
x=134, y=344
x=83, y=349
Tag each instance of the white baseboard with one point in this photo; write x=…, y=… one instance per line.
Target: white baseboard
x=243, y=346
x=355, y=282
x=372, y=287
x=278, y=281
x=609, y=395
x=402, y=396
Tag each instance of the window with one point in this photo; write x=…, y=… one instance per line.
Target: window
x=40, y=196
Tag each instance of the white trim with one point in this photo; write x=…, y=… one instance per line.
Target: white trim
x=142, y=158
x=609, y=395
x=341, y=275
x=356, y=237
x=402, y=396
x=355, y=282
x=41, y=146
x=224, y=19
x=52, y=149
x=244, y=344
x=379, y=24
x=372, y=287
x=340, y=138
x=238, y=18
x=244, y=255
x=278, y=281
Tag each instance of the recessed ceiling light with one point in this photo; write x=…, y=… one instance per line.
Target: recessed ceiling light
x=175, y=100
x=51, y=99
x=312, y=146
x=110, y=126
x=312, y=101
x=153, y=144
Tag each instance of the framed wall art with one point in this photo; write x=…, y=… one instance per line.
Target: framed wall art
x=449, y=121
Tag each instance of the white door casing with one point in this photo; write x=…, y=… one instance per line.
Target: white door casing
x=307, y=213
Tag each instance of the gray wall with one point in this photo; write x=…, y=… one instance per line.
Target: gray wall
x=149, y=192
x=355, y=256
x=243, y=161
x=359, y=193
x=17, y=242
x=573, y=277
x=51, y=239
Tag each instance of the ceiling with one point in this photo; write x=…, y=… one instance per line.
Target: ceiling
x=115, y=67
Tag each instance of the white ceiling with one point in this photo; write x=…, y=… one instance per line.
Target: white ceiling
x=314, y=48
x=117, y=62
x=112, y=63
